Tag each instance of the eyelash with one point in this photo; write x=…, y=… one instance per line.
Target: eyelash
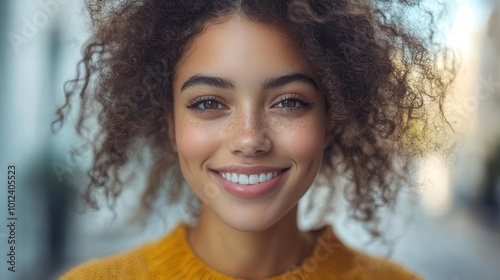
x=193, y=104
x=304, y=103
x=196, y=102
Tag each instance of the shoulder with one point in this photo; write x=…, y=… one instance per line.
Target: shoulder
x=138, y=263
x=337, y=258
x=374, y=267
x=128, y=265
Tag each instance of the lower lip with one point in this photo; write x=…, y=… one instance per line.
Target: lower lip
x=250, y=191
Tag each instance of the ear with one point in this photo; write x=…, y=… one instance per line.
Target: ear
x=171, y=130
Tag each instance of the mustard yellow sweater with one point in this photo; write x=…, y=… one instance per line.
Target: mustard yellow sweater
x=172, y=258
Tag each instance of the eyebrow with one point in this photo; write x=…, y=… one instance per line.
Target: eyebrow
x=199, y=80
x=223, y=83
x=277, y=82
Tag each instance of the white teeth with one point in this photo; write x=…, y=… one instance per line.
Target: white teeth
x=243, y=179
x=252, y=179
x=234, y=177
x=262, y=177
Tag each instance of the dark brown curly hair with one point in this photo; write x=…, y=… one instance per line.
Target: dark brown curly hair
x=383, y=74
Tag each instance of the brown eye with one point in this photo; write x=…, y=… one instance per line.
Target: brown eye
x=293, y=102
x=289, y=103
x=210, y=104
x=206, y=104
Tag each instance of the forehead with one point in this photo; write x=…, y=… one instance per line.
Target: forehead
x=244, y=50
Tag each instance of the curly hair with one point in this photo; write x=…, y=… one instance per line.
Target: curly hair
x=384, y=76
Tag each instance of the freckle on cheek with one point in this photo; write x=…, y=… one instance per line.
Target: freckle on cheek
x=196, y=140
x=302, y=137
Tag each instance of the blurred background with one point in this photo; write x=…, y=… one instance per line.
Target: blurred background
x=452, y=232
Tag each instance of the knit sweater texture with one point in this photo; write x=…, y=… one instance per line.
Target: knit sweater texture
x=172, y=258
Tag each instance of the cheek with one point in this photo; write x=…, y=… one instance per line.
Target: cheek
x=302, y=139
x=195, y=140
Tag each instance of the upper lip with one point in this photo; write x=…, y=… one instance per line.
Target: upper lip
x=249, y=170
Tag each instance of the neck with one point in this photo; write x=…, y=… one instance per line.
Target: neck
x=250, y=255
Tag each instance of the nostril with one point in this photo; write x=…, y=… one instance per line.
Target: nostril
x=250, y=144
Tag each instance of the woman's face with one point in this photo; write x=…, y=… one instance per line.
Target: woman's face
x=248, y=122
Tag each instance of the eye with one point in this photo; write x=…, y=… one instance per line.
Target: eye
x=206, y=103
x=293, y=102
x=209, y=105
x=289, y=103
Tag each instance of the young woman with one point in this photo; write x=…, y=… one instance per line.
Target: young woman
x=253, y=100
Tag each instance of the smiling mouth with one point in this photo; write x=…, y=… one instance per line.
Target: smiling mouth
x=253, y=179
x=259, y=184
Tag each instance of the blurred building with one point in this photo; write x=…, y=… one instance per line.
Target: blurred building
x=477, y=176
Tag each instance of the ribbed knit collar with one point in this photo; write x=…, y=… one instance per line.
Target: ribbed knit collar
x=174, y=256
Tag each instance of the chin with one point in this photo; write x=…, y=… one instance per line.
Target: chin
x=253, y=225
x=250, y=220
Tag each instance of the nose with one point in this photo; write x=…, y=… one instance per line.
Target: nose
x=250, y=134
